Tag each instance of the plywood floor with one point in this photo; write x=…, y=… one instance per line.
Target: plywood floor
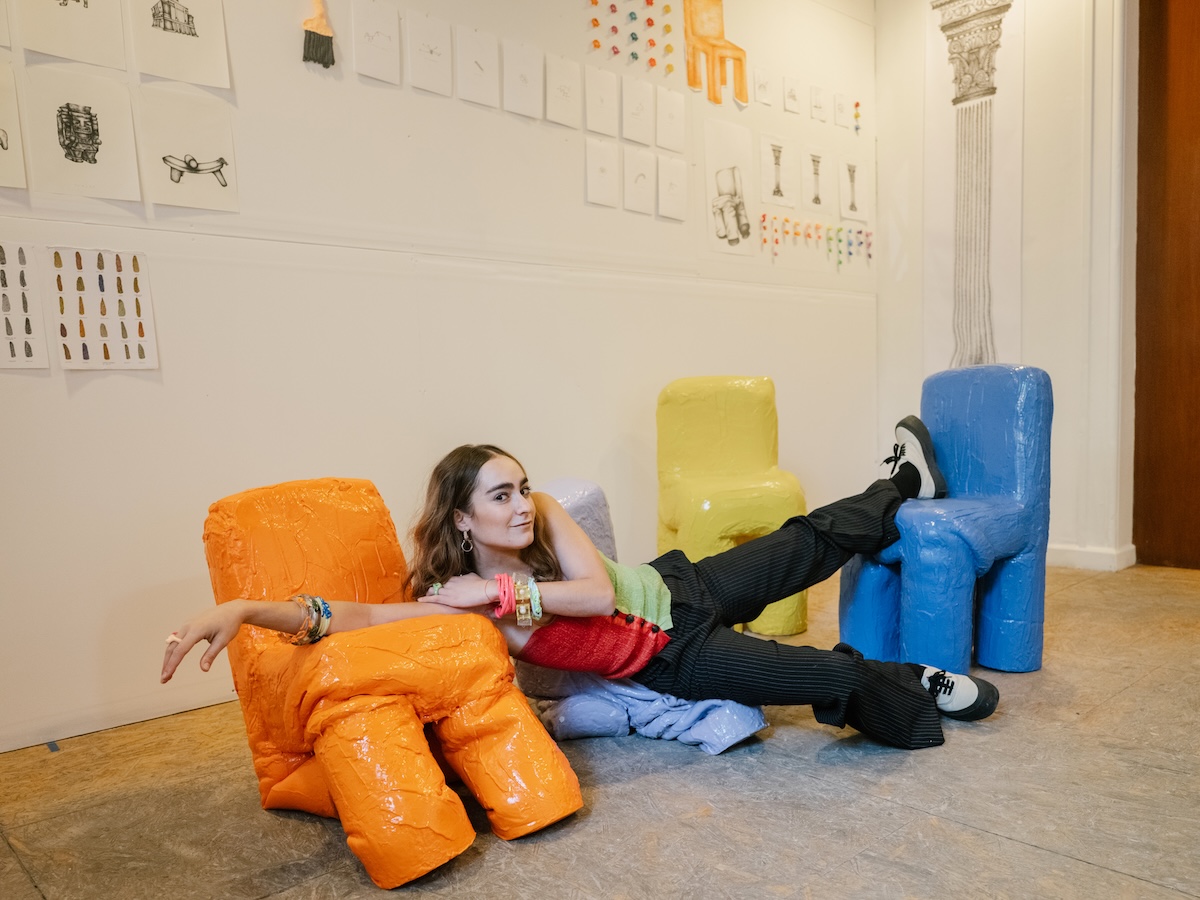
x=1085, y=783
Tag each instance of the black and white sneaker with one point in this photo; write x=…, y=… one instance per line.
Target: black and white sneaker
x=960, y=696
x=914, y=445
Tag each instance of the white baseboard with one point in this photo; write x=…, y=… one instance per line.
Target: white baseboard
x=1100, y=559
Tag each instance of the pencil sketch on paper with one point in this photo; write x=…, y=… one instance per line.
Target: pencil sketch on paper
x=816, y=166
x=78, y=132
x=729, y=207
x=972, y=29
x=851, y=168
x=64, y=3
x=190, y=166
x=171, y=15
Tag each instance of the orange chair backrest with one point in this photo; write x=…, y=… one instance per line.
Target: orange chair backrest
x=704, y=19
x=333, y=537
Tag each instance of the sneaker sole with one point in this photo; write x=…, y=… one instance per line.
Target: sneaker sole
x=984, y=705
x=920, y=434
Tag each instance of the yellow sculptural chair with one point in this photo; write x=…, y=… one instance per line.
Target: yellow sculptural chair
x=344, y=727
x=719, y=481
x=704, y=33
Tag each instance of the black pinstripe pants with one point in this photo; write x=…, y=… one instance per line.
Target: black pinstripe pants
x=707, y=659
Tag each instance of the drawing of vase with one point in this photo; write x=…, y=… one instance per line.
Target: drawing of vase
x=777, y=152
x=972, y=30
x=850, y=168
x=816, y=161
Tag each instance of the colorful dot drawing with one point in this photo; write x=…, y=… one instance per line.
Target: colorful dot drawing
x=89, y=327
x=629, y=30
x=23, y=321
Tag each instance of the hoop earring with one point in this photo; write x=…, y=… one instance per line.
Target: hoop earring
x=466, y=545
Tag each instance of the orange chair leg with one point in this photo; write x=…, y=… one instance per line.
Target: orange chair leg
x=511, y=764
x=400, y=818
x=714, y=76
x=693, y=65
x=739, y=81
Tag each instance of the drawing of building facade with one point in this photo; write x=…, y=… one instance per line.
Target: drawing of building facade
x=170, y=15
x=972, y=31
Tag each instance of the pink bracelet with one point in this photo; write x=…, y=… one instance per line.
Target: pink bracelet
x=508, y=595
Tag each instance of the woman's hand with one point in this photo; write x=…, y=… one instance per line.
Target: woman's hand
x=462, y=592
x=218, y=626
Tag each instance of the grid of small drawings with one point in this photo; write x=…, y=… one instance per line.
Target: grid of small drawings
x=24, y=344
x=103, y=309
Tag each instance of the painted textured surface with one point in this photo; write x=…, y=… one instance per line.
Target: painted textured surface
x=719, y=481
x=338, y=727
x=968, y=570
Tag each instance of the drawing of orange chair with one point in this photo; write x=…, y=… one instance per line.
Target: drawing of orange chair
x=344, y=727
x=719, y=481
x=704, y=32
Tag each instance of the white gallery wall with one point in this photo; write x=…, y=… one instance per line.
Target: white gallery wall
x=1077, y=234
x=408, y=271
x=405, y=272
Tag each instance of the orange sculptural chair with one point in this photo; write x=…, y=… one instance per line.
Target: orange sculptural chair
x=704, y=33
x=339, y=728
x=719, y=481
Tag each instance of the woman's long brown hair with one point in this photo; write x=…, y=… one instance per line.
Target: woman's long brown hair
x=438, y=553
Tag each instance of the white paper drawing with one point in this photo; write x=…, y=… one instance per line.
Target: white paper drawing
x=793, y=95
x=12, y=152
x=671, y=118
x=5, y=35
x=91, y=32
x=603, y=186
x=854, y=181
x=564, y=95
x=23, y=341
x=524, y=79
x=602, y=101
x=764, y=87
x=430, y=58
x=377, y=40
x=779, y=170
x=187, y=139
x=728, y=164
x=819, y=103
x=81, y=135
x=103, y=309
x=818, y=181
x=637, y=110
x=640, y=169
x=843, y=115
x=477, y=66
x=184, y=41
x=672, y=188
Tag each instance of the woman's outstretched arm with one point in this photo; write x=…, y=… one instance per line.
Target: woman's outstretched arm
x=220, y=625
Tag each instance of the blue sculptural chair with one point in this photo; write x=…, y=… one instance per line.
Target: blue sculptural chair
x=970, y=568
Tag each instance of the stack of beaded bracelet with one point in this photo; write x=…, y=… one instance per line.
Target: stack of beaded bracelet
x=506, y=601
x=535, y=600
x=518, y=594
x=522, y=600
x=316, y=619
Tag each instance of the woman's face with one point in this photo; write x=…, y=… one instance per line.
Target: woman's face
x=502, y=513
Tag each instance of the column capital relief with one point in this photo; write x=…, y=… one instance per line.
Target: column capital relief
x=972, y=29
x=963, y=14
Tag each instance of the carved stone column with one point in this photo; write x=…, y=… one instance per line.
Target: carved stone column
x=972, y=29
